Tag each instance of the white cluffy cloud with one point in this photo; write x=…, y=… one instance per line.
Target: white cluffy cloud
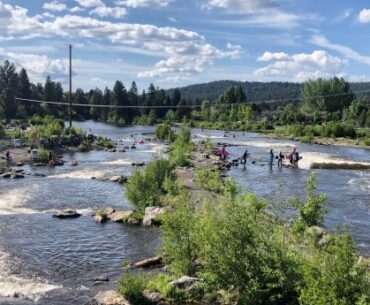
x=300, y=66
x=54, y=6
x=241, y=6
x=364, y=16
x=105, y=11
x=90, y=3
x=182, y=51
x=143, y=3
x=37, y=66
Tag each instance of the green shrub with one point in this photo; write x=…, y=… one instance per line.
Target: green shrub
x=181, y=149
x=366, y=142
x=132, y=286
x=334, y=275
x=84, y=146
x=312, y=211
x=144, y=188
x=2, y=131
x=43, y=154
x=164, y=132
x=306, y=139
x=209, y=179
x=105, y=142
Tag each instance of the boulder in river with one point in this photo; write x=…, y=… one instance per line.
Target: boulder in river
x=138, y=163
x=148, y=263
x=100, y=279
x=17, y=176
x=119, y=215
x=73, y=163
x=152, y=216
x=6, y=175
x=66, y=214
x=109, y=297
x=118, y=179
x=20, y=164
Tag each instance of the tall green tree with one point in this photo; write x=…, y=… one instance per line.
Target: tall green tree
x=119, y=99
x=8, y=89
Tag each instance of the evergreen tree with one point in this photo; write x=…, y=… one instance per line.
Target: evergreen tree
x=8, y=89
x=120, y=98
x=96, y=99
x=24, y=91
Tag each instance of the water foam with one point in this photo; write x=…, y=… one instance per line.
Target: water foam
x=262, y=144
x=82, y=174
x=11, y=285
x=12, y=201
x=315, y=158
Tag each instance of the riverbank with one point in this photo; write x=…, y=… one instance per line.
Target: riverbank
x=206, y=210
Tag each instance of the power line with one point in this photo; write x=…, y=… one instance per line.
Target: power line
x=190, y=106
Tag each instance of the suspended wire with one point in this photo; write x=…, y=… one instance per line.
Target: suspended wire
x=190, y=106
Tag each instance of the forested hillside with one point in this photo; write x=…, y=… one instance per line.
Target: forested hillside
x=255, y=91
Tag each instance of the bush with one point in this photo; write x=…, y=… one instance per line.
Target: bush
x=43, y=154
x=105, y=142
x=144, y=188
x=181, y=149
x=334, y=275
x=209, y=179
x=84, y=146
x=164, y=132
x=367, y=142
x=312, y=211
x=132, y=287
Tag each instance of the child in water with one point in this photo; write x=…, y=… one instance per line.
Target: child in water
x=280, y=158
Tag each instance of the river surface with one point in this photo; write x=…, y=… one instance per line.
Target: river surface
x=51, y=261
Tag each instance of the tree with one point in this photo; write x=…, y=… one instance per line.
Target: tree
x=8, y=89
x=326, y=95
x=24, y=91
x=119, y=115
x=96, y=99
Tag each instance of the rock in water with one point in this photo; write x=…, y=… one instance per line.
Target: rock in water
x=6, y=175
x=73, y=163
x=18, y=176
x=109, y=297
x=20, y=164
x=100, y=219
x=119, y=215
x=100, y=280
x=66, y=214
x=152, y=216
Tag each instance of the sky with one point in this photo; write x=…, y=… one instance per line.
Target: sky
x=174, y=43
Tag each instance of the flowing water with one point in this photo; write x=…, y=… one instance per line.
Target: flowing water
x=51, y=261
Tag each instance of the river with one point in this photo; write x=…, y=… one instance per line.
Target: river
x=50, y=261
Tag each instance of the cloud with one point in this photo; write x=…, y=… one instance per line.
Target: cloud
x=183, y=51
x=347, y=52
x=241, y=6
x=300, y=66
x=172, y=19
x=37, y=66
x=364, y=16
x=90, y=3
x=76, y=9
x=54, y=6
x=143, y=3
x=105, y=11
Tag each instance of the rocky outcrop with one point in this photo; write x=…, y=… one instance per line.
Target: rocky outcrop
x=109, y=297
x=17, y=176
x=148, y=263
x=6, y=175
x=118, y=179
x=153, y=297
x=152, y=216
x=119, y=215
x=66, y=214
x=100, y=280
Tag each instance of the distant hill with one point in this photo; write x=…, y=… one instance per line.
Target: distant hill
x=255, y=91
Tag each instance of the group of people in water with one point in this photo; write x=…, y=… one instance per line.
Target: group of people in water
x=293, y=158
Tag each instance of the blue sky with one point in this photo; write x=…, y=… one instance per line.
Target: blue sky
x=173, y=43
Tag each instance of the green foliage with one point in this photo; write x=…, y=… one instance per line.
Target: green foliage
x=209, y=179
x=334, y=275
x=2, y=131
x=326, y=95
x=132, y=286
x=43, y=154
x=73, y=131
x=84, y=146
x=179, y=236
x=164, y=132
x=181, y=149
x=144, y=188
x=105, y=142
x=367, y=142
x=312, y=211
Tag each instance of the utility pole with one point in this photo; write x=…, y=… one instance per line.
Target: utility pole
x=70, y=86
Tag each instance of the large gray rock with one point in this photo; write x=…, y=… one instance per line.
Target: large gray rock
x=185, y=282
x=18, y=176
x=119, y=215
x=109, y=297
x=153, y=297
x=6, y=175
x=66, y=214
x=107, y=211
x=152, y=216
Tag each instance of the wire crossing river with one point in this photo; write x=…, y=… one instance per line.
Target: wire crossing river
x=44, y=260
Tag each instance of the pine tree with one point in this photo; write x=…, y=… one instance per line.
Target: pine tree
x=8, y=89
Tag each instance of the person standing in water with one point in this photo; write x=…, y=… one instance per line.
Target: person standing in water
x=271, y=161
x=280, y=158
x=244, y=159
